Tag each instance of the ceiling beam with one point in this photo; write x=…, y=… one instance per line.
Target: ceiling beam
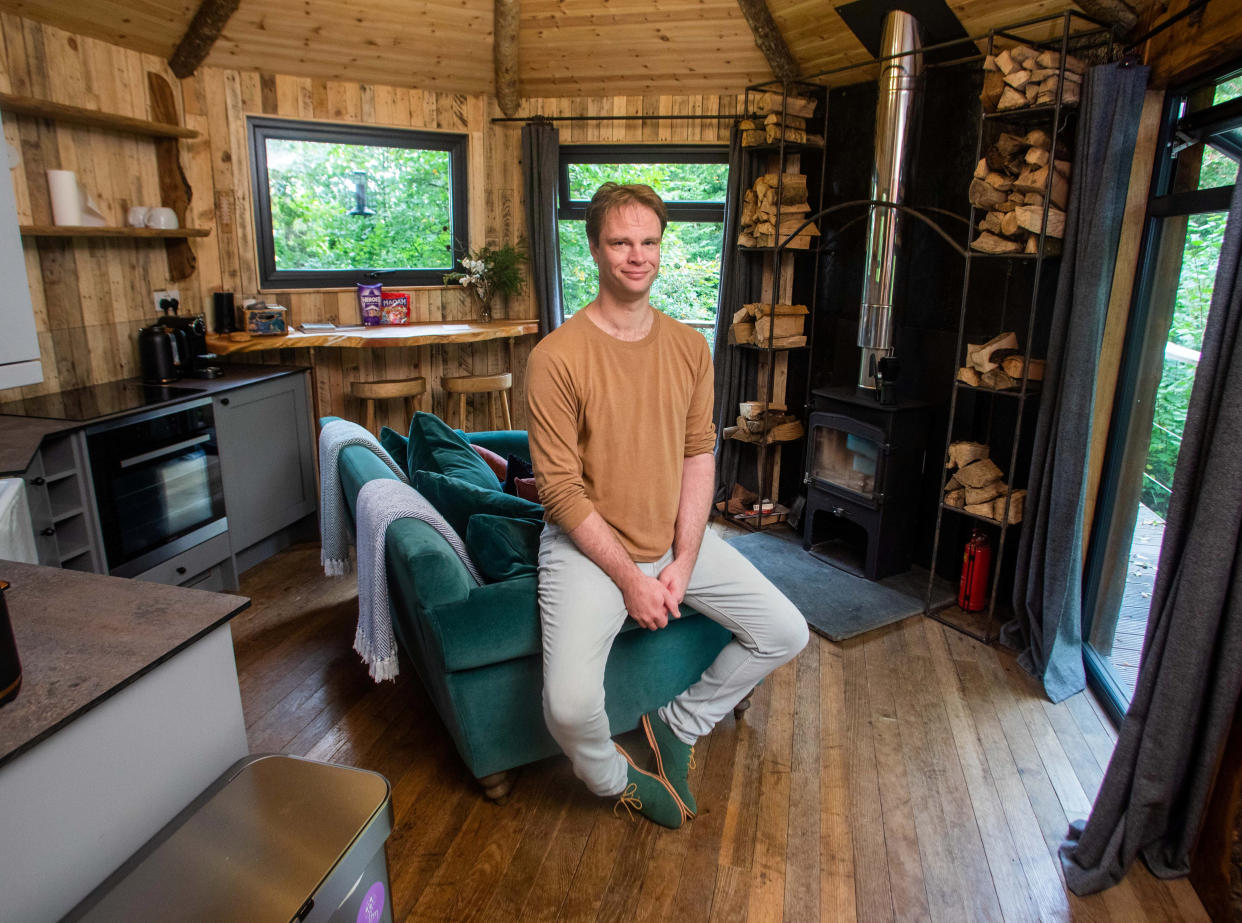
x=769, y=39
x=200, y=35
x=1114, y=12
x=505, y=52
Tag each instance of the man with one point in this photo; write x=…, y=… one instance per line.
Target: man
x=621, y=435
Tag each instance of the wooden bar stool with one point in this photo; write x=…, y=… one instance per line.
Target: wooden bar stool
x=387, y=389
x=480, y=384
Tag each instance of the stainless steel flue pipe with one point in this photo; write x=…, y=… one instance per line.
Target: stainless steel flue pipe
x=894, y=123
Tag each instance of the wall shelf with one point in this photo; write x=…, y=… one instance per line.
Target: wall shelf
x=49, y=230
x=46, y=109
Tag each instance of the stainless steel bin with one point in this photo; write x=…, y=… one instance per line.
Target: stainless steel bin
x=275, y=838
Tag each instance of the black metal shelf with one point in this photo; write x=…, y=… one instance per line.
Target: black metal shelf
x=1032, y=390
x=1002, y=415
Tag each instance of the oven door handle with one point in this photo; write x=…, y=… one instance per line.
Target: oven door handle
x=167, y=450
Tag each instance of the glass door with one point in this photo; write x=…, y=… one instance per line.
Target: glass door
x=1191, y=190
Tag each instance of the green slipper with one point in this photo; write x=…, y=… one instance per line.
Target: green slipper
x=650, y=796
x=674, y=759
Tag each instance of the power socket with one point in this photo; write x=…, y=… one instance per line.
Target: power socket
x=160, y=297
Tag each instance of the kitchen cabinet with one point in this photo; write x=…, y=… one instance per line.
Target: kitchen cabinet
x=62, y=508
x=19, y=347
x=266, y=459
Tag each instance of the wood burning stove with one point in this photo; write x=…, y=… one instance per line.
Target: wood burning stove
x=864, y=465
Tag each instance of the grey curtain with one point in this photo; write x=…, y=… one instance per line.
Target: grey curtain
x=540, y=165
x=1047, y=594
x=733, y=367
x=1156, y=788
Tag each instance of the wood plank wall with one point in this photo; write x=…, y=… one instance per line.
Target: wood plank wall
x=92, y=296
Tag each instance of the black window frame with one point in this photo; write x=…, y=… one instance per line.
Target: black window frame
x=261, y=128
x=575, y=209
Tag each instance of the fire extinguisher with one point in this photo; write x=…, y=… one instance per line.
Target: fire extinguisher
x=972, y=592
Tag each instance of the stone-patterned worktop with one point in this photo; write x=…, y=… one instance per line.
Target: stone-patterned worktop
x=81, y=637
x=20, y=436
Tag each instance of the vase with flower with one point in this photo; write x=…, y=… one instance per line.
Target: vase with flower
x=491, y=271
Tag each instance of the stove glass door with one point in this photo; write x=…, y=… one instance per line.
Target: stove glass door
x=845, y=459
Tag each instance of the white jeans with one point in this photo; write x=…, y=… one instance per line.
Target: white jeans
x=582, y=611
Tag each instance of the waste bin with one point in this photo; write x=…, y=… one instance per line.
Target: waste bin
x=275, y=838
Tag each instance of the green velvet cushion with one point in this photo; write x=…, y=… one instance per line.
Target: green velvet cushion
x=503, y=547
x=458, y=500
x=396, y=445
x=436, y=448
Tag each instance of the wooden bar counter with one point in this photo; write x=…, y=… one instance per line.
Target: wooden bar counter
x=433, y=350
x=426, y=334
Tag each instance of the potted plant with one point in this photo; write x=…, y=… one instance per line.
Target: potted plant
x=491, y=271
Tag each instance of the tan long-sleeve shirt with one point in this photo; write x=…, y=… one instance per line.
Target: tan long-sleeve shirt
x=611, y=421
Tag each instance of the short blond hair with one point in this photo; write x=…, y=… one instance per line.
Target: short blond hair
x=614, y=195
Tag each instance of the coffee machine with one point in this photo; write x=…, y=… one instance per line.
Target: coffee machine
x=190, y=332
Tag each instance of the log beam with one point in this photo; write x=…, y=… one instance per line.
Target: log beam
x=1113, y=12
x=769, y=39
x=200, y=35
x=505, y=52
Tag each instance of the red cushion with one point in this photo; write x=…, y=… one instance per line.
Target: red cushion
x=526, y=489
x=498, y=465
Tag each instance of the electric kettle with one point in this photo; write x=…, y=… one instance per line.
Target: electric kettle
x=158, y=356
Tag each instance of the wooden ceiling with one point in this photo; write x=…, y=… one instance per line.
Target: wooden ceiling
x=567, y=48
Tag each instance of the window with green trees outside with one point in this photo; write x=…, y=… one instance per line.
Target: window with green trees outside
x=692, y=181
x=336, y=205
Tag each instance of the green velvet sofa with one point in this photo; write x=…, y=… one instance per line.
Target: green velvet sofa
x=477, y=649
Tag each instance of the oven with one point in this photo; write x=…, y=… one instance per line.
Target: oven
x=157, y=484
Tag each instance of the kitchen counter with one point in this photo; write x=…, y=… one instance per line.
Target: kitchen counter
x=129, y=708
x=20, y=436
x=83, y=637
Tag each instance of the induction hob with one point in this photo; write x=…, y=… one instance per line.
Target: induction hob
x=95, y=401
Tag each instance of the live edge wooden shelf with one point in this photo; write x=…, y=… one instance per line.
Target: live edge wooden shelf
x=44, y=108
x=51, y=230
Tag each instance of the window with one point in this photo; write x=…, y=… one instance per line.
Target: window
x=1193, y=184
x=335, y=204
x=692, y=181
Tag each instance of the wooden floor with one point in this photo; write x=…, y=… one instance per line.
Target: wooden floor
x=907, y=774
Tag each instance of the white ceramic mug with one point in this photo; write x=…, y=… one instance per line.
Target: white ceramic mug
x=161, y=217
x=137, y=215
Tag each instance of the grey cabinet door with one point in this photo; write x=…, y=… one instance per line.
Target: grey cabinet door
x=265, y=457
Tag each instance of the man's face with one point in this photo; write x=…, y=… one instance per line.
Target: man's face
x=628, y=252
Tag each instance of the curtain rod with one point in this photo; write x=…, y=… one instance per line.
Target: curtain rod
x=622, y=118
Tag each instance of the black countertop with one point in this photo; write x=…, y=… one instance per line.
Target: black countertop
x=20, y=436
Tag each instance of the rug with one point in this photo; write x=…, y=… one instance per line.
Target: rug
x=837, y=605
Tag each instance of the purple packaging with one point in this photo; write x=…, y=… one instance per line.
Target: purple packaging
x=370, y=302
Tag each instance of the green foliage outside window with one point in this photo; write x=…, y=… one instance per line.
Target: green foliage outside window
x=689, y=280
x=1200, y=255
x=312, y=187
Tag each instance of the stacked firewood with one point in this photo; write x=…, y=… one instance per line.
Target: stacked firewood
x=1010, y=184
x=779, y=326
x=760, y=209
x=999, y=364
x=775, y=128
x=764, y=422
x=978, y=486
x=1021, y=76
x=783, y=117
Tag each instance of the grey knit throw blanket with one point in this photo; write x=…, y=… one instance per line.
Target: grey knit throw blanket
x=380, y=503
x=333, y=518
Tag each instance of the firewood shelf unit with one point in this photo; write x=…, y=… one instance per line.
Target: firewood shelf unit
x=1007, y=292
x=775, y=274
